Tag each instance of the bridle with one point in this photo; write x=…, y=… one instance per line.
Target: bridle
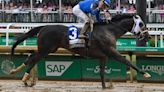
x=136, y=29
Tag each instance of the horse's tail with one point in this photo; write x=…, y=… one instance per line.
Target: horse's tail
x=20, y=39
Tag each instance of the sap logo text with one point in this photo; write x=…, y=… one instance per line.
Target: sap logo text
x=56, y=68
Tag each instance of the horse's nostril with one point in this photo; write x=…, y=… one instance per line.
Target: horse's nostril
x=138, y=33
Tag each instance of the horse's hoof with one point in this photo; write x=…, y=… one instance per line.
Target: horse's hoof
x=26, y=84
x=111, y=86
x=147, y=75
x=13, y=71
x=32, y=84
x=103, y=86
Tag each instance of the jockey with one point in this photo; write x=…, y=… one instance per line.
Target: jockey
x=92, y=7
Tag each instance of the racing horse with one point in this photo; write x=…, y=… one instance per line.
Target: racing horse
x=102, y=42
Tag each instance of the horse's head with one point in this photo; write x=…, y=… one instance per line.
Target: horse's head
x=139, y=28
x=132, y=23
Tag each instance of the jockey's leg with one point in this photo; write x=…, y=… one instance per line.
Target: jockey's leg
x=80, y=14
x=91, y=25
x=84, y=30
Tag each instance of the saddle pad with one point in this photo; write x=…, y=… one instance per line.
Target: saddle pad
x=73, y=32
x=74, y=41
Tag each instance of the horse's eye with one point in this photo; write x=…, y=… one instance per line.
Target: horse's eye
x=141, y=24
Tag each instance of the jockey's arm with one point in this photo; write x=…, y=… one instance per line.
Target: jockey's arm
x=94, y=8
x=96, y=11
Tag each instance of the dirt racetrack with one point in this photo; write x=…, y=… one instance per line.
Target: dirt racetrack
x=72, y=86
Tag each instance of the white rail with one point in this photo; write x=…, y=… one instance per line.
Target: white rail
x=156, y=30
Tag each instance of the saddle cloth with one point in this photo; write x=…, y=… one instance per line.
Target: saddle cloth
x=74, y=40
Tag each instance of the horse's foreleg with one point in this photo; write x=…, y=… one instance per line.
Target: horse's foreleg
x=102, y=71
x=116, y=55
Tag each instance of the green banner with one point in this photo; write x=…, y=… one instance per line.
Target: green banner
x=113, y=69
x=6, y=64
x=29, y=41
x=121, y=42
x=68, y=67
x=60, y=67
x=33, y=41
x=141, y=49
x=3, y=40
x=152, y=65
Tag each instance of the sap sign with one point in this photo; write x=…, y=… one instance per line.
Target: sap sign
x=56, y=68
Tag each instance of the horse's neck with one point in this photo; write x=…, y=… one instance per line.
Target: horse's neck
x=118, y=29
x=125, y=26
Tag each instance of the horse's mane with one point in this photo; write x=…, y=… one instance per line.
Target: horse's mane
x=116, y=18
x=119, y=17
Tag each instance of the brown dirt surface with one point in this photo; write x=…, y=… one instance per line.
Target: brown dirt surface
x=74, y=86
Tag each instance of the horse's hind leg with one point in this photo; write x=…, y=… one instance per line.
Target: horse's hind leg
x=31, y=61
x=19, y=68
x=34, y=58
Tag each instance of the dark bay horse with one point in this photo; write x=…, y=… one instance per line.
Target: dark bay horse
x=103, y=42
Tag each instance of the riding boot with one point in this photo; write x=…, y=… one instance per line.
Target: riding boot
x=83, y=30
x=91, y=29
x=91, y=25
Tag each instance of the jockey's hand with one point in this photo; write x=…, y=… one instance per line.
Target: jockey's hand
x=101, y=3
x=107, y=15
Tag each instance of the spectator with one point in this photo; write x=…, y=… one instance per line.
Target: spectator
x=45, y=13
x=39, y=11
x=131, y=9
x=69, y=13
x=124, y=9
x=15, y=13
x=161, y=7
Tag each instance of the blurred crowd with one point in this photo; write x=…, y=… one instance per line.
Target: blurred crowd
x=49, y=12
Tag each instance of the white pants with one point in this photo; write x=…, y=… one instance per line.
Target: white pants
x=80, y=14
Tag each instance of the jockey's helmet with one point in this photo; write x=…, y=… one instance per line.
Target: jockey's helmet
x=107, y=2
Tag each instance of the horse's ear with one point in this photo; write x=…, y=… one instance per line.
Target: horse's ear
x=136, y=16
